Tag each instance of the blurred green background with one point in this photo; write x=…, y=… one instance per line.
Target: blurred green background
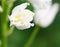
x=47, y=37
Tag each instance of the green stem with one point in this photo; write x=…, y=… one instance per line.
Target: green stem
x=4, y=34
x=4, y=41
x=6, y=5
x=33, y=36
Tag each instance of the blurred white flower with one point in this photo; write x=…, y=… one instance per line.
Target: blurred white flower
x=1, y=10
x=0, y=42
x=45, y=12
x=21, y=17
x=41, y=4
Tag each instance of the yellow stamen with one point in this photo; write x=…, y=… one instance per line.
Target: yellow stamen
x=18, y=17
x=16, y=20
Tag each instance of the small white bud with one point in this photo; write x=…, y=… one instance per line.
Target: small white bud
x=1, y=10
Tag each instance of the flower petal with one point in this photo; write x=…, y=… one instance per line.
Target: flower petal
x=29, y=15
x=25, y=26
x=19, y=7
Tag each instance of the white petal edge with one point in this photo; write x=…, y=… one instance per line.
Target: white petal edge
x=25, y=26
x=19, y=7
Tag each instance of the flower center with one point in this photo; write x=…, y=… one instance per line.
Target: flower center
x=17, y=19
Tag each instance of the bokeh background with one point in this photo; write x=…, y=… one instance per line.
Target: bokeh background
x=47, y=37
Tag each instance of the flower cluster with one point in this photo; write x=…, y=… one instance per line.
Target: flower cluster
x=44, y=13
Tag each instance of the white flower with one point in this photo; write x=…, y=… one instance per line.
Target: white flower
x=21, y=17
x=45, y=12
